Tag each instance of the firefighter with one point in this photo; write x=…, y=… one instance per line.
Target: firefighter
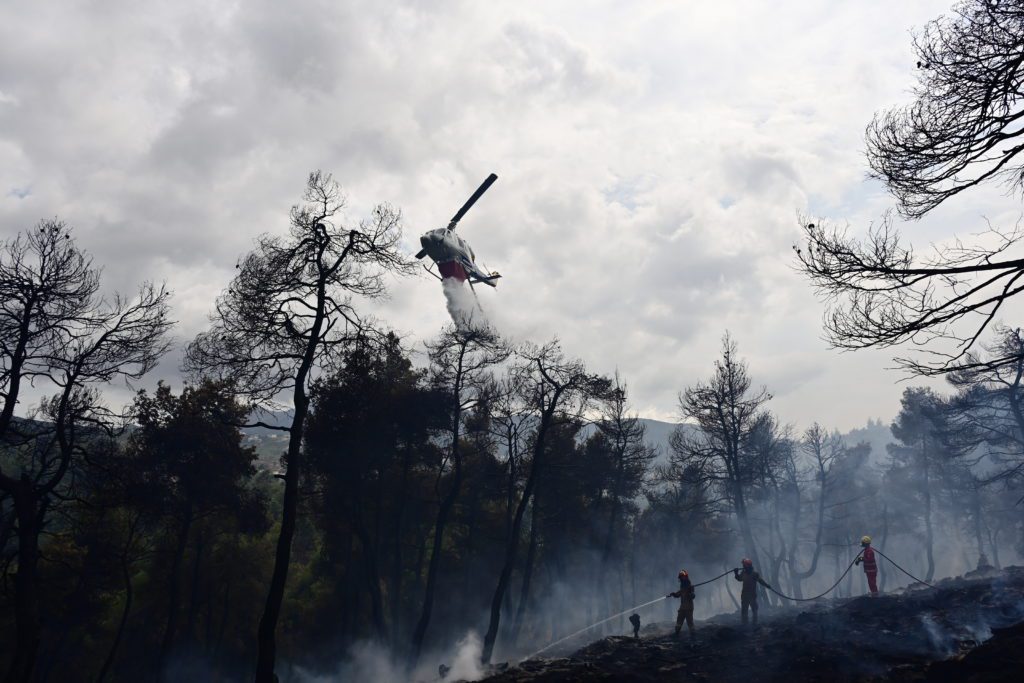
x=748, y=596
x=867, y=556
x=635, y=620
x=685, y=595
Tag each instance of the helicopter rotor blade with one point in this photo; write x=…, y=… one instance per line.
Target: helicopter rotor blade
x=472, y=200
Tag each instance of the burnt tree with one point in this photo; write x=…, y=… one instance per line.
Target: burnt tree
x=964, y=126
x=57, y=330
x=962, y=129
x=288, y=313
x=461, y=357
x=558, y=390
x=727, y=410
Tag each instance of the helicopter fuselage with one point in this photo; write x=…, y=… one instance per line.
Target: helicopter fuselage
x=450, y=252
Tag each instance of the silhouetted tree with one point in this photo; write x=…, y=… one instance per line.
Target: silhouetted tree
x=190, y=459
x=989, y=404
x=822, y=449
x=288, y=313
x=961, y=130
x=461, y=359
x=963, y=127
x=557, y=390
x=620, y=437
x=56, y=329
x=775, y=486
x=726, y=409
x=919, y=456
x=370, y=439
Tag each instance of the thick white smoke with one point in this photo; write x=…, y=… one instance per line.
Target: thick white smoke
x=373, y=662
x=466, y=662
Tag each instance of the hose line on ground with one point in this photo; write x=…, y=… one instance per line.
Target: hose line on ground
x=832, y=588
x=902, y=569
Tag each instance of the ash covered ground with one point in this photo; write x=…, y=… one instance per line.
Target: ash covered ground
x=969, y=628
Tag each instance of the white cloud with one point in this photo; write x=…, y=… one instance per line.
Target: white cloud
x=652, y=158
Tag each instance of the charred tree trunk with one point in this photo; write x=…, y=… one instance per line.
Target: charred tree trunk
x=435, y=555
x=613, y=517
x=800, y=575
x=372, y=575
x=881, y=546
x=512, y=547
x=929, y=538
x=194, y=598
x=443, y=512
x=174, y=590
x=396, y=559
x=126, y=577
x=524, y=593
x=26, y=600
x=979, y=535
x=994, y=543
x=225, y=615
x=266, y=635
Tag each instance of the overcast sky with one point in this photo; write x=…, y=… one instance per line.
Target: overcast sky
x=652, y=157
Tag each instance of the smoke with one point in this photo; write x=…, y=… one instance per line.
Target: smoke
x=372, y=662
x=463, y=306
x=466, y=662
x=941, y=640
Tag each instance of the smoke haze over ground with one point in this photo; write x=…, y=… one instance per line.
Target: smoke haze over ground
x=370, y=662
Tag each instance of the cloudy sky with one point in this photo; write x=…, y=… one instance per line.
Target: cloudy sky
x=653, y=158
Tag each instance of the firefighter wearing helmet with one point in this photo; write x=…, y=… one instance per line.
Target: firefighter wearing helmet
x=867, y=556
x=685, y=595
x=748, y=595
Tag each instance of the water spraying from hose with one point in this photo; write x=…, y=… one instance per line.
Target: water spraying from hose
x=596, y=623
x=616, y=616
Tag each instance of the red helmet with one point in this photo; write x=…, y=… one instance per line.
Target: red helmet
x=683, y=574
x=747, y=562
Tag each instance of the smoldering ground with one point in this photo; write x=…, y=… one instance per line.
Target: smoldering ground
x=368, y=661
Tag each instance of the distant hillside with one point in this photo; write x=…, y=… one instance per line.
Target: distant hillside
x=877, y=434
x=271, y=443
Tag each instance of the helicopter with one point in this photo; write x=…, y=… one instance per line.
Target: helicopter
x=452, y=255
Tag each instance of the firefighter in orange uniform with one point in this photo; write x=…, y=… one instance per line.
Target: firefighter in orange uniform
x=748, y=595
x=685, y=595
x=867, y=556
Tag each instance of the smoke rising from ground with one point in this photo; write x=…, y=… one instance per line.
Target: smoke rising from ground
x=367, y=661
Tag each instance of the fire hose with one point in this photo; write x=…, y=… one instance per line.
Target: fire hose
x=821, y=595
x=726, y=573
x=615, y=616
x=902, y=569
